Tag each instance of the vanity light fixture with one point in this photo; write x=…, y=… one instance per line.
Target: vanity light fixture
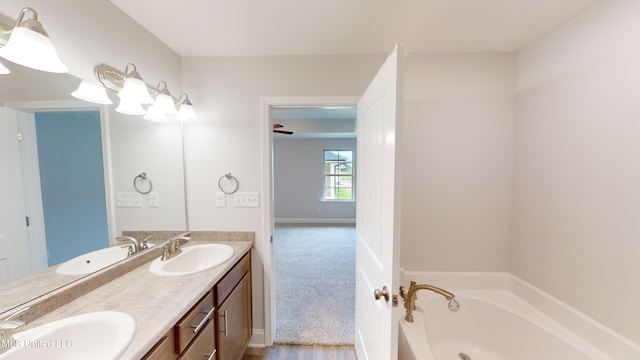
x=165, y=104
x=155, y=114
x=28, y=44
x=130, y=107
x=134, y=89
x=186, y=111
x=92, y=92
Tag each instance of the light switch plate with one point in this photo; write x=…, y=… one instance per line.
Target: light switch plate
x=246, y=199
x=128, y=200
x=221, y=199
x=154, y=199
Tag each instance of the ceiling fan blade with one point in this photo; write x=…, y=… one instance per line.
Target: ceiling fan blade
x=283, y=132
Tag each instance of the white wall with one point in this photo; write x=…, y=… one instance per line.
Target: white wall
x=136, y=146
x=458, y=141
x=299, y=182
x=577, y=176
x=227, y=138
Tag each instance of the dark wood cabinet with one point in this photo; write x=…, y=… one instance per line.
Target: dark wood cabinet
x=164, y=349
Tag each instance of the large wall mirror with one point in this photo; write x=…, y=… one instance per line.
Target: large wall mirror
x=67, y=186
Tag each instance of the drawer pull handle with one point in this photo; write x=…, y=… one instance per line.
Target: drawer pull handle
x=204, y=321
x=226, y=328
x=213, y=354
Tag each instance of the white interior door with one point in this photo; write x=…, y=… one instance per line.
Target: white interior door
x=32, y=191
x=14, y=247
x=377, y=212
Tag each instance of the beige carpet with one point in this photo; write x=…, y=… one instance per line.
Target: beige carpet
x=315, y=284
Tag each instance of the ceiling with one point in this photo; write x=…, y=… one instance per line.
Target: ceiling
x=329, y=27
x=316, y=122
x=314, y=27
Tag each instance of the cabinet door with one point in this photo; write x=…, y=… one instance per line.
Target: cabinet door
x=234, y=321
x=164, y=349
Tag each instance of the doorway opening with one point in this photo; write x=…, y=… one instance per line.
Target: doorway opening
x=313, y=248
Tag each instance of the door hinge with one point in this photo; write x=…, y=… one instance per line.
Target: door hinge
x=28, y=221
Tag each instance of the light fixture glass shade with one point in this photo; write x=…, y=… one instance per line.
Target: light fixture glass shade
x=130, y=107
x=32, y=49
x=164, y=103
x=92, y=92
x=186, y=113
x=4, y=70
x=135, y=90
x=155, y=114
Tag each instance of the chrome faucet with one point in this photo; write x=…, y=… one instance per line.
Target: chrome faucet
x=136, y=246
x=7, y=327
x=174, y=247
x=410, y=298
x=143, y=243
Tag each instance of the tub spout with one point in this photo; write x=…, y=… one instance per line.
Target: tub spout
x=410, y=297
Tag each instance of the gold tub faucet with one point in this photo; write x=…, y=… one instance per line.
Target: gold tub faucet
x=410, y=297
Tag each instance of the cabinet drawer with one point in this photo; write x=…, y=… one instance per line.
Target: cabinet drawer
x=203, y=347
x=231, y=279
x=187, y=328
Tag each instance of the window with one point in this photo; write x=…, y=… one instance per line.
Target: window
x=338, y=175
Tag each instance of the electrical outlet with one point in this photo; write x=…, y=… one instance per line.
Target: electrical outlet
x=128, y=200
x=246, y=199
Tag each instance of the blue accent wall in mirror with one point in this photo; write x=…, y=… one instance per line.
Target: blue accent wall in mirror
x=72, y=181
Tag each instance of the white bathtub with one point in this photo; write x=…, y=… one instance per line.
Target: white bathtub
x=493, y=324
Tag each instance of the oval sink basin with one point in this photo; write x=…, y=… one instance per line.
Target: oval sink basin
x=94, y=261
x=96, y=335
x=193, y=259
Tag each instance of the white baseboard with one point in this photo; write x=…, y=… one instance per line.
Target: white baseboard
x=314, y=221
x=257, y=339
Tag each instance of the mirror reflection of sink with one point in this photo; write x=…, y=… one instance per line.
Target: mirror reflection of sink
x=96, y=335
x=94, y=261
x=193, y=259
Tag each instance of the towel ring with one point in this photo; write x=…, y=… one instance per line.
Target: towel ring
x=142, y=178
x=232, y=183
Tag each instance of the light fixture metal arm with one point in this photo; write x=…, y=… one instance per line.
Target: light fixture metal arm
x=113, y=78
x=7, y=24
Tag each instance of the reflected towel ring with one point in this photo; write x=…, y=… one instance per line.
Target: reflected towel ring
x=142, y=178
x=231, y=184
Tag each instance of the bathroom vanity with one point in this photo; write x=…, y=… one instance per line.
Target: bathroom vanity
x=176, y=317
x=218, y=326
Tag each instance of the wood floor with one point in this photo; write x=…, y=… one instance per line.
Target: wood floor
x=315, y=352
